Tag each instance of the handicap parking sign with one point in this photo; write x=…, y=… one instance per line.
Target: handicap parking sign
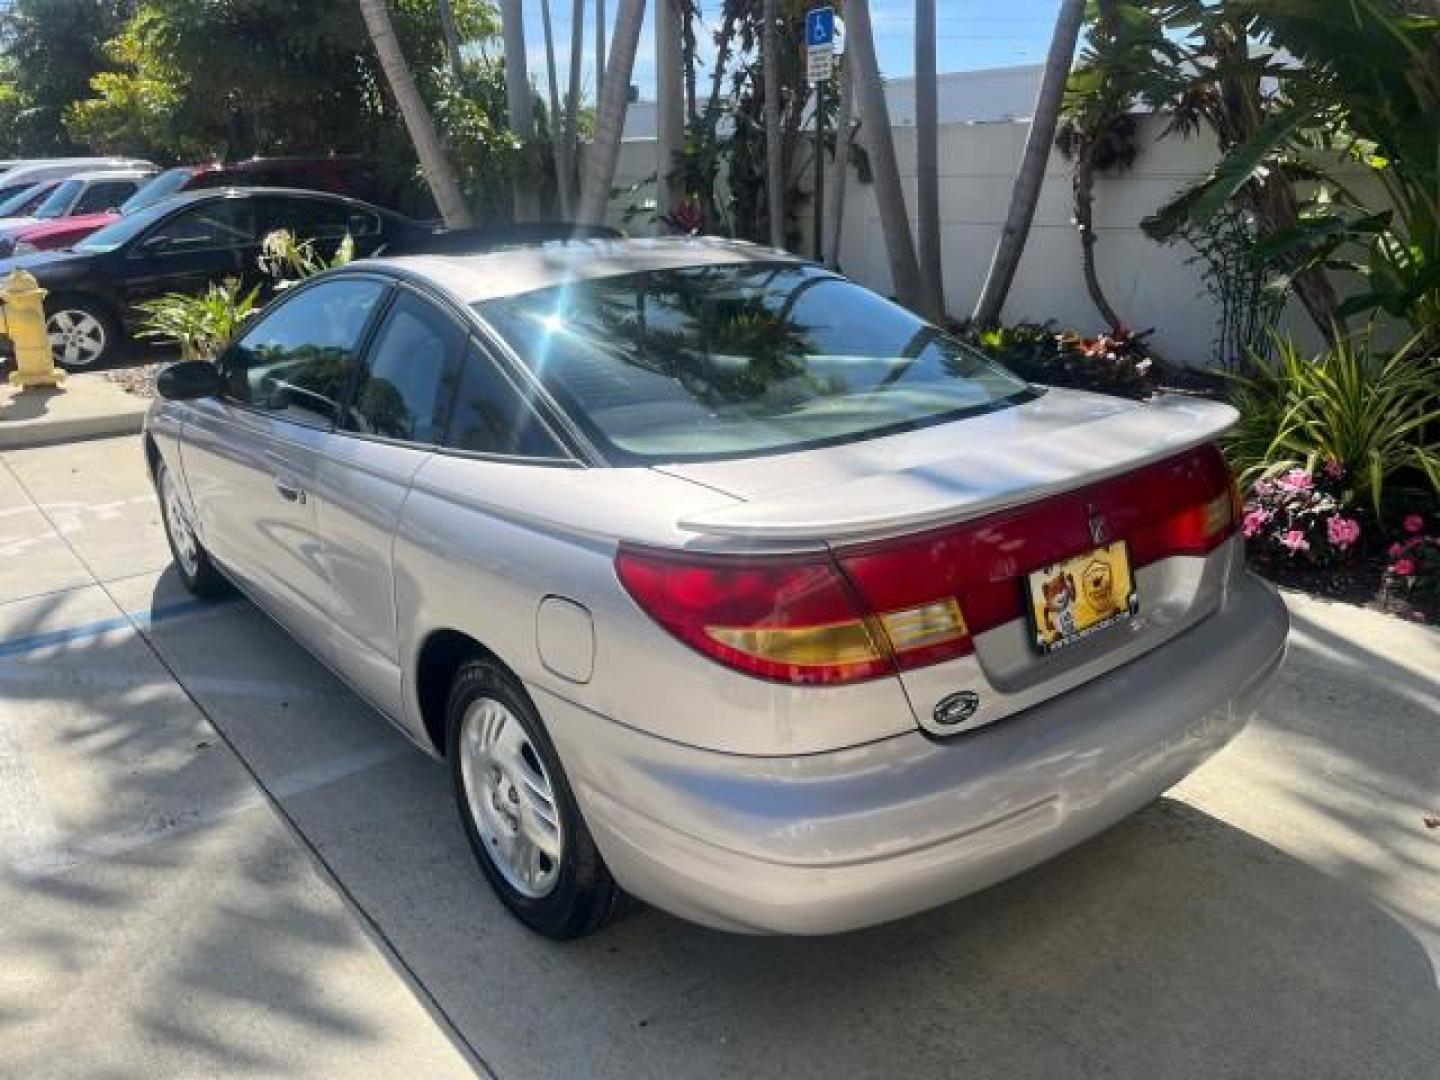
x=820, y=27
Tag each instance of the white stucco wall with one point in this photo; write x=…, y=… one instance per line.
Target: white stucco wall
x=1149, y=285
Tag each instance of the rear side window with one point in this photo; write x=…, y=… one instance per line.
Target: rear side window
x=408, y=378
x=318, y=219
x=491, y=417
x=295, y=362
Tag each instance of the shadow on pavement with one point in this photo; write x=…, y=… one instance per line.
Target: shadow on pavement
x=1174, y=945
x=115, y=901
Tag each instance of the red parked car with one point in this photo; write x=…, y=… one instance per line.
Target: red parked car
x=337, y=175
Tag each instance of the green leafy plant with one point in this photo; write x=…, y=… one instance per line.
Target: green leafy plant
x=1372, y=413
x=1114, y=363
x=290, y=260
x=201, y=325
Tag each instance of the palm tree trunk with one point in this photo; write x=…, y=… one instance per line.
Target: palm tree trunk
x=1026, y=192
x=610, y=117
x=599, y=48
x=927, y=164
x=774, y=143
x=839, y=168
x=1085, y=222
x=517, y=100
x=669, y=104
x=572, y=98
x=557, y=117
x=438, y=172
x=880, y=144
x=452, y=39
x=688, y=17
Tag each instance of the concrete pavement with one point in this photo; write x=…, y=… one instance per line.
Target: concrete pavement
x=216, y=861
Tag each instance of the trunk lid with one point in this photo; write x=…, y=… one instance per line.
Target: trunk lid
x=969, y=510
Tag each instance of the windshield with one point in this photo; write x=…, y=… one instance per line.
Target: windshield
x=122, y=230
x=726, y=361
x=163, y=186
x=60, y=199
x=23, y=201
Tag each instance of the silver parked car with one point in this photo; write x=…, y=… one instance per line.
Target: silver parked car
x=719, y=579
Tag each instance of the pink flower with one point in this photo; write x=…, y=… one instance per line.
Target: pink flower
x=1395, y=550
x=1254, y=521
x=1297, y=480
x=1334, y=469
x=1295, y=541
x=1263, y=488
x=1403, y=567
x=1342, y=531
x=1414, y=523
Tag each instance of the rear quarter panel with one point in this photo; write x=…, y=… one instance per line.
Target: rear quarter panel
x=481, y=545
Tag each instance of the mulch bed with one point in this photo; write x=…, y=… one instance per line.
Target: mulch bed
x=1361, y=583
x=138, y=379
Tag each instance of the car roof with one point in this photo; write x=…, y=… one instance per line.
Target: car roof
x=235, y=191
x=487, y=275
x=110, y=174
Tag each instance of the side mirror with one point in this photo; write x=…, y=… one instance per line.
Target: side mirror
x=189, y=380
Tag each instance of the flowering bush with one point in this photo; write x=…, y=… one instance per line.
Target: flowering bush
x=1300, y=515
x=1114, y=363
x=1413, y=570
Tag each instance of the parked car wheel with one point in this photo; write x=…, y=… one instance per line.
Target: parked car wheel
x=518, y=810
x=192, y=561
x=82, y=333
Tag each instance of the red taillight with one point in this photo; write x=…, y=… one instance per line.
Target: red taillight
x=906, y=603
x=787, y=618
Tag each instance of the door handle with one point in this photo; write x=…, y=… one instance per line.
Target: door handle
x=290, y=491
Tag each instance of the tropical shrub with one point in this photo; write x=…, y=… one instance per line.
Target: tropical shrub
x=200, y=325
x=1376, y=414
x=1114, y=363
x=1302, y=516
x=203, y=325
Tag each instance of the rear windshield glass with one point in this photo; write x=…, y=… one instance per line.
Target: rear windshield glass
x=161, y=187
x=725, y=361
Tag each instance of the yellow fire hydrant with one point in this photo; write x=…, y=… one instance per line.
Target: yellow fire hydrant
x=22, y=320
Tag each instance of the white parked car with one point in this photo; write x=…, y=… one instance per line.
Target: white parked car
x=20, y=174
x=719, y=579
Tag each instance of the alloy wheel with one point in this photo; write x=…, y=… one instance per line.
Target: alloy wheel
x=77, y=338
x=511, y=799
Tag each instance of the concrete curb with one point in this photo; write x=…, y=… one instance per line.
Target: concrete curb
x=86, y=407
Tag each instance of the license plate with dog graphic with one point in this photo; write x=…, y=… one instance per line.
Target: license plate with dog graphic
x=1073, y=599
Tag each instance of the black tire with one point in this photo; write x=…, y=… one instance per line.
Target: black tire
x=198, y=572
x=584, y=896
x=65, y=313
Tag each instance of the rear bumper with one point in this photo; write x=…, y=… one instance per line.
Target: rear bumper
x=835, y=841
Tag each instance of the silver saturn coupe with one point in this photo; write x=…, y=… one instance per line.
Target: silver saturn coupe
x=717, y=579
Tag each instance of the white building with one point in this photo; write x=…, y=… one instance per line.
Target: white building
x=1006, y=93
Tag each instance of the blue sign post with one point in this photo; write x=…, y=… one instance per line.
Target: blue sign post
x=820, y=60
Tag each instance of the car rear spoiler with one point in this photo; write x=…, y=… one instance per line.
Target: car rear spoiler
x=983, y=479
x=498, y=237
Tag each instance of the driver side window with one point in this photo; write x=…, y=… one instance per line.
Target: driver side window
x=295, y=362
x=217, y=225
